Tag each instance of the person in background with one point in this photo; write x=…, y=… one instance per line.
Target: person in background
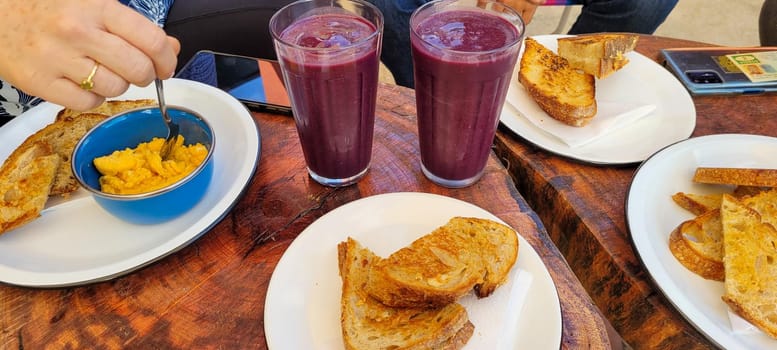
x=78, y=52
x=239, y=27
x=767, y=23
x=635, y=16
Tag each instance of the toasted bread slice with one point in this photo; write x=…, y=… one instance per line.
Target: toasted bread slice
x=750, y=264
x=736, y=176
x=25, y=182
x=62, y=136
x=698, y=245
x=697, y=204
x=563, y=92
x=442, y=266
x=597, y=54
x=602, y=45
x=108, y=108
x=368, y=324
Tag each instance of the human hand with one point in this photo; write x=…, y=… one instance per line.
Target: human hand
x=525, y=8
x=50, y=46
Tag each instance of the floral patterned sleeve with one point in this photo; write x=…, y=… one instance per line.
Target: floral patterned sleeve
x=14, y=102
x=155, y=10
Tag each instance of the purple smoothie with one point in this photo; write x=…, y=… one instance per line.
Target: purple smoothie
x=333, y=91
x=462, y=73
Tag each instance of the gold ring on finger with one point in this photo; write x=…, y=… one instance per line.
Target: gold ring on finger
x=87, y=84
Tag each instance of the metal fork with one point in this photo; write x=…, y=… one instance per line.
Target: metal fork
x=172, y=128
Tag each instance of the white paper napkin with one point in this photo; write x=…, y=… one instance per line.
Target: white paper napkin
x=610, y=116
x=741, y=326
x=496, y=316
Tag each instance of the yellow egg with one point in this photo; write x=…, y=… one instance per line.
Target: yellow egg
x=139, y=170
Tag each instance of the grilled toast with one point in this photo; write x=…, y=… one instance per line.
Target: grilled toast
x=597, y=54
x=750, y=244
x=25, y=182
x=562, y=91
x=368, y=324
x=442, y=266
x=698, y=242
x=26, y=179
x=62, y=136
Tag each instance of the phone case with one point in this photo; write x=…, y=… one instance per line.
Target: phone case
x=707, y=70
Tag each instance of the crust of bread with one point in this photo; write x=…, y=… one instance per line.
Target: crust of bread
x=750, y=264
x=107, y=108
x=369, y=324
x=439, y=268
x=698, y=245
x=736, y=176
x=25, y=182
x=458, y=340
x=563, y=92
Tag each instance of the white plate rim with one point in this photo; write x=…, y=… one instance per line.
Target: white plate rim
x=668, y=171
x=671, y=128
x=238, y=129
x=289, y=297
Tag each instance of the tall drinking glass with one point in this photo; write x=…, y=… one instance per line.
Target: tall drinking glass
x=329, y=52
x=464, y=53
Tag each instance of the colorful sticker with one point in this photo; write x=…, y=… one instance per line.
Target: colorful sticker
x=726, y=64
x=757, y=66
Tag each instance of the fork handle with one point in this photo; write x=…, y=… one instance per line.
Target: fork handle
x=161, y=97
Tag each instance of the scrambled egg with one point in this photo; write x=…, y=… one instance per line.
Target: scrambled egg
x=142, y=169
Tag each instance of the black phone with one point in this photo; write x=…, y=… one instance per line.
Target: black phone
x=257, y=83
x=707, y=70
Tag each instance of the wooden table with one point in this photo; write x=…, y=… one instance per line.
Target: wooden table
x=211, y=294
x=582, y=207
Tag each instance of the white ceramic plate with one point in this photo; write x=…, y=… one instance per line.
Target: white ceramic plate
x=302, y=309
x=76, y=241
x=652, y=215
x=641, y=82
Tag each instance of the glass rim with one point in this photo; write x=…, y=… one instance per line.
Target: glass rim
x=521, y=29
x=368, y=39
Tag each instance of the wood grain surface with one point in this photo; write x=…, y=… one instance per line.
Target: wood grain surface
x=211, y=293
x=582, y=207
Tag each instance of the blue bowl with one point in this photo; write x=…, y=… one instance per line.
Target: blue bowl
x=127, y=130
